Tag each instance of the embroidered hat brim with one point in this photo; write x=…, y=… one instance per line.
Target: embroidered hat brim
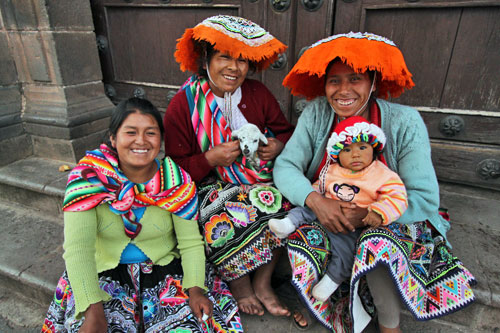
x=233, y=35
x=362, y=52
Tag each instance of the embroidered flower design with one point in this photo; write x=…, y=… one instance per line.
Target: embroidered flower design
x=287, y=205
x=266, y=198
x=172, y=294
x=148, y=309
x=48, y=326
x=314, y=237
x=241, y=196
x=219, y=230
x=62, y=290
x=241, y=214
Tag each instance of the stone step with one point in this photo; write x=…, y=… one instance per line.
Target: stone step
x=30, y=252
x=32, y=236
x=31, y=264
x=36, y=183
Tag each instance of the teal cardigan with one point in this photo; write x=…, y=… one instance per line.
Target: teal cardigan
x=407, y=152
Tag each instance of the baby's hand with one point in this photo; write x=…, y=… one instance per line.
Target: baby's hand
x=373, y=219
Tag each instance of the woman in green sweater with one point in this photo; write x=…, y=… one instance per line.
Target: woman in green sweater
x=134, y=255
x=408, y=262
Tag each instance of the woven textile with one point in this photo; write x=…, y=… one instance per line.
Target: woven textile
x=431, y=281
x=211, y=129
x=235, y=225
x=308, y=253
x=147, y=298
x=97, y=179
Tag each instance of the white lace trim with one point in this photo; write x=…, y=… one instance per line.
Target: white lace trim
x=236, y=119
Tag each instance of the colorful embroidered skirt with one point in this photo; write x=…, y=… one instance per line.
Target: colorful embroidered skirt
x=430, y=280
x=234, y=222
x=147, y=298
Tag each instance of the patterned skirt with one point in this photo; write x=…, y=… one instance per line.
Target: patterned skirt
x=234, y=221
x=147, y=298
x=429, y=279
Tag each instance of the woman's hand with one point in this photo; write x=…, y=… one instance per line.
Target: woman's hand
x=199, y=303
x=271, y=150
x=355, y=215
x=95, y=320
x=223, y=154
x=330, y=212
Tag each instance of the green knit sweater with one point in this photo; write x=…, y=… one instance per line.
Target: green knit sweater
x=94, y=241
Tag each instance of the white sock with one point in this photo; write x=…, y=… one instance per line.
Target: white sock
x=324, y=288
x=282, y=228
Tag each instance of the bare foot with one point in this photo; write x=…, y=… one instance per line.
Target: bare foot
x=262, y=286
x=245, y=297
x=269, y=299
x=300, y=319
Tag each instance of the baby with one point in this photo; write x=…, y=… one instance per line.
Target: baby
x=355, y=176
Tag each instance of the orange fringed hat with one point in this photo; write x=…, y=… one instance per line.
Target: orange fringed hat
x=236, y=36
x=362, y=52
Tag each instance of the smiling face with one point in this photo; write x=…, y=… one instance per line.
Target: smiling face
x=226, y=73
x=346, y=90
x=356, y=156
x=137, y=142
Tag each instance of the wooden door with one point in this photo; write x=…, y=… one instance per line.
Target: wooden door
x=451, y=47
x=453, y=50
x=137, y=38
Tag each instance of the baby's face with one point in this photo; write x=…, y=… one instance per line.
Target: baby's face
x=356, y=156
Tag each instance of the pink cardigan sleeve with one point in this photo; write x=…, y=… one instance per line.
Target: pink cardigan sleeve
x=392, y=200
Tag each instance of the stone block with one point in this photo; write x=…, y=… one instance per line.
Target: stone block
x=8, y=72
x=488, y=321
x=91, y=141
x=35, y=52
x=14, y=149
x=11, y=131
x=10, y=103
x=467, y=204
x=86, y=98
x=19, y=14
x=77, y=57
x=70, y=15
x=56, y=149
x=66, y=112
x=67, y=133
x=65, y=150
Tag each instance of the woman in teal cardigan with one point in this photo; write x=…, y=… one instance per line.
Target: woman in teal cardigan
x=134, y=255
x=406, y=262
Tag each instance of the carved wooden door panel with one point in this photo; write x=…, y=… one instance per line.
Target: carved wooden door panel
x=137, y=38
x=452, y=49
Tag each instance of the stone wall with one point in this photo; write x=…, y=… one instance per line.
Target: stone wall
x=52, y=101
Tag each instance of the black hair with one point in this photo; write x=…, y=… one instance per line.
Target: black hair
x=376, y=154
x=129, y=106
x=371, y=74
x=207, y=51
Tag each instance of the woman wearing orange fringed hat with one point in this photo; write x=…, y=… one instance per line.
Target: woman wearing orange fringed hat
x=236, y=197
x=408, y=261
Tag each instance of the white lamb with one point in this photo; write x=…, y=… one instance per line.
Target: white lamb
x=249, y=136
